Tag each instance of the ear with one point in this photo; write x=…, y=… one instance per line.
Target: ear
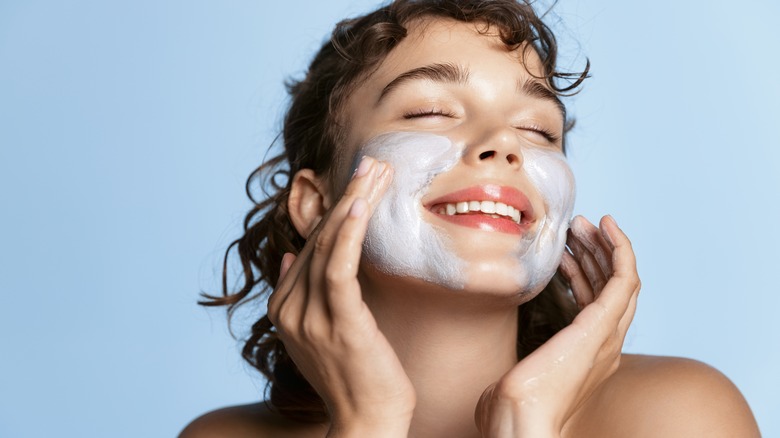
x=308, y=201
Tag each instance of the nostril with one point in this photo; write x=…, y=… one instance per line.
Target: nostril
x=512, y=159
x=487, y=154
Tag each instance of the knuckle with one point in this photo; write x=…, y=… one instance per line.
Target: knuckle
x=334, y=278
x=286, y=320
x=577, y=275
x=273, y=314
x=613, y=366
x=348, y=340
x=506, y=389
x=310, y=330
x=322, y=244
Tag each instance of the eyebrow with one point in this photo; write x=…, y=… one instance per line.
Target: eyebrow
x=456, y=74
x=449, y=73
x=538, y=90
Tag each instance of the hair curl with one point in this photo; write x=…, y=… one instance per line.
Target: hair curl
x=312, y=130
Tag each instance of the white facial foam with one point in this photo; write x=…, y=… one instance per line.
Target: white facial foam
x=399, y=242
x=540, y=253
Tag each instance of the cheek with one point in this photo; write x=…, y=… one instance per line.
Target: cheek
x=549, y=172
x=539, y=258
x=398, y=241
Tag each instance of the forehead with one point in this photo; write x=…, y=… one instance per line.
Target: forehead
x=475, y=48
x=432, y=40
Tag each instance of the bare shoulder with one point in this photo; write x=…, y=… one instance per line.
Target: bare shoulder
x=656, y=396
x=255, y=420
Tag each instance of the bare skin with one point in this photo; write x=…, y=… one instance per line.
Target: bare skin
x=649, y=396
x=422, y=361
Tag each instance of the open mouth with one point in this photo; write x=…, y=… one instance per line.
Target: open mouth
x=492, y=208
x=488, y=207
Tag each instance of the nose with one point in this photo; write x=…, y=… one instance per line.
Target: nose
x=496, y=147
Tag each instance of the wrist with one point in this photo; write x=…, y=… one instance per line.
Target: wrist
x=537, y=429
x=516, y=427
x=375, y=428
x=367, y=419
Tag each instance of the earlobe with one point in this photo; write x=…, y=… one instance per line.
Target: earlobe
x=307, y=202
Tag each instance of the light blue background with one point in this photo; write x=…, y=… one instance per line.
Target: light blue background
x=127, y=129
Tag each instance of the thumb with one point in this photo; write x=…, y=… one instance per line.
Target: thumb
x=482, y=411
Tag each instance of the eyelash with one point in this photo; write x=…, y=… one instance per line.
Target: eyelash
x=418, y=113
x=427, y=113
x=547, y=134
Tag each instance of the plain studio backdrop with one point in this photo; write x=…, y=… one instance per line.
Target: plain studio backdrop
x=127, y=129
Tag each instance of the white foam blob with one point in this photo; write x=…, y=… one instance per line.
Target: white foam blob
x=540, y=253
x=400, y=242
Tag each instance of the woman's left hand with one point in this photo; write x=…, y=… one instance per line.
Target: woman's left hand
x=541, y=393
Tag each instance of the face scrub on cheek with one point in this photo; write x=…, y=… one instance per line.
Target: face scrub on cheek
x=400, y=242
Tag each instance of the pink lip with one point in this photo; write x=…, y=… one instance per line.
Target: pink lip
x=487, y=192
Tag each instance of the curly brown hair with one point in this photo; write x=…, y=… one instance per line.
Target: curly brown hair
x=312, y=129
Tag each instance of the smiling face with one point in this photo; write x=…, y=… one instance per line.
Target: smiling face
x=482, y=195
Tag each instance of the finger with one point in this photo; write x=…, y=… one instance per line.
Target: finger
x=615, y=298
x=342, y=288
x=482, y=410
x=344, y=235
x=623, y=258
x=284, y=288
x=580, y=286
x=384, y=177
x=285, y=303
x=322, y=239
x=279, y=293
x=287, y=260
x=294, y=293
x=628, y=316
x=587, y=262
x=591, y=238
x=359, y=186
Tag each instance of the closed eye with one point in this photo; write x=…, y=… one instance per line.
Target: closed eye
x=546, y=133
x=432, y=112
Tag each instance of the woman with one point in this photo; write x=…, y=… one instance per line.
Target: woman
x=414, y=251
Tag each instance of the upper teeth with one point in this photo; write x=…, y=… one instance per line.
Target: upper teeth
x=488, y=207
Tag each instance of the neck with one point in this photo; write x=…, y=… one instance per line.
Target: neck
x=452, y=344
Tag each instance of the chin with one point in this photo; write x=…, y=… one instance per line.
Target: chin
x=504, y=278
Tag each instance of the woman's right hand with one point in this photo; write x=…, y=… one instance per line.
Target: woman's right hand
x=540, y=394
x=327, y=328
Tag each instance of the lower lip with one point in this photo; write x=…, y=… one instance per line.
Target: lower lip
x=486, y=223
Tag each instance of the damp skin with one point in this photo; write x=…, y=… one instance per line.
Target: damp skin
x=400, y=242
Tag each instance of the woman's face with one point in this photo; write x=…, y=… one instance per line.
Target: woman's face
x=475, y=141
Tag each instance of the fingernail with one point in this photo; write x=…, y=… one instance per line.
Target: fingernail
x=364, y=167
x=565, y=262
x=284, y=266
x=387, y=173
x=358, y=207
x=606, y=232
